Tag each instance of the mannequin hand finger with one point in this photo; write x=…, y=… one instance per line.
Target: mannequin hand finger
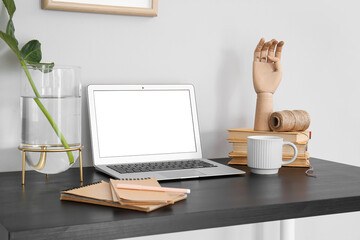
x=276, y=61
x=279, y=49
x=271, y=52
x=264, y=50
x=258, y=50
x=273, y=59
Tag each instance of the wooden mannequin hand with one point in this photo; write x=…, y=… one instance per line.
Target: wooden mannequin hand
x=267, y=71
x=267, y=75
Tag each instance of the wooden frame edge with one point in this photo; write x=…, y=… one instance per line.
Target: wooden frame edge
x=92, y=8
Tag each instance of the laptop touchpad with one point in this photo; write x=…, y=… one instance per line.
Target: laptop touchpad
x=182, y=174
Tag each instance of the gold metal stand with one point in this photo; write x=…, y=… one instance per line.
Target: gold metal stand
x=43, y=149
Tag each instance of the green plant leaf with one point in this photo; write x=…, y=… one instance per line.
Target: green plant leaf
x=31, y=51
x=10, y=7
x=10, y=29
x=11, y=42
x=31, y=54
x=43, y=67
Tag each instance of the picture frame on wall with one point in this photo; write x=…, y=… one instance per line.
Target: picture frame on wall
x=147, y=8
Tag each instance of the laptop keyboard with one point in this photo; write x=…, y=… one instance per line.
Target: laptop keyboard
x=160, y=166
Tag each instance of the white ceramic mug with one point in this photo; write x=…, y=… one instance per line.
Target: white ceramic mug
x=264, y=154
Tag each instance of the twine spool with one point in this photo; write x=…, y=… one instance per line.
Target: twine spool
x=285, y=121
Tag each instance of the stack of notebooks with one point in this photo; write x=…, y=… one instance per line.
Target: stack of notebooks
x=238, y=138
x=107, y=194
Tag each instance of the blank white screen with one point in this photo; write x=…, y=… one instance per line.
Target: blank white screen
x=144, y=122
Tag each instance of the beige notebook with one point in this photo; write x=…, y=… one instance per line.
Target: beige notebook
x=100, y=194
x=138, y=196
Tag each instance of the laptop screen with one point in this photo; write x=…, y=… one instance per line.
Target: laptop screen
x=144, y=122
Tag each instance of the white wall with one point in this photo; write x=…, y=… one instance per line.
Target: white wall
x=209, y=44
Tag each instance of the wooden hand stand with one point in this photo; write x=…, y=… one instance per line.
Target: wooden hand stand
x=44, y=150
x=267, y=74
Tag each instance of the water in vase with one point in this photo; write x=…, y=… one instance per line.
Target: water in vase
x=37, y=132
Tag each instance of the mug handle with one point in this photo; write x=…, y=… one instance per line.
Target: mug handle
x=295, y=152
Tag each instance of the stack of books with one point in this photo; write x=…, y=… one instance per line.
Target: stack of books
x=109, y=194
x=238, y=138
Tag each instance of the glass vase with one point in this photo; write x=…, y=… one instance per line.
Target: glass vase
x=50, y=117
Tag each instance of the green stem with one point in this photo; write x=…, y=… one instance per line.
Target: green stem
x=46, y=113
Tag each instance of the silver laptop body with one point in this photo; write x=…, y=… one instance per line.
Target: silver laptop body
x=137, y=124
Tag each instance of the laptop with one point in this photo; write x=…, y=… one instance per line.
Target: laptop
x=141, y=131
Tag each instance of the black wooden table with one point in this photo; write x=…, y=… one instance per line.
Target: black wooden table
x=35, y=211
